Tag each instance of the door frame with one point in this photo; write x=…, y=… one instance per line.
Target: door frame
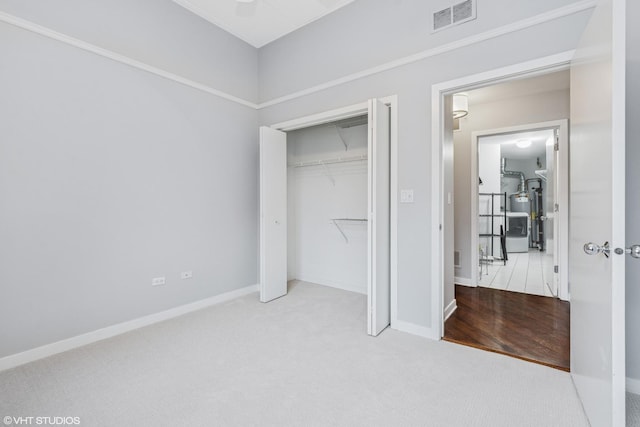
x=536, y=67
x=563, y=196
x=353, y=111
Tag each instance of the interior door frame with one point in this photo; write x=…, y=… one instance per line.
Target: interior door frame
x=536, y=67
x=354, y=111
x=563, y=196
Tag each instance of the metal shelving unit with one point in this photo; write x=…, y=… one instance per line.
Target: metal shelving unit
x=492, y=235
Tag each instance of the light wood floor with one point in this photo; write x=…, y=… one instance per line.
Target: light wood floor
x=524, y=272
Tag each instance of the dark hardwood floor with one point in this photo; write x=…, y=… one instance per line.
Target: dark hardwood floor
x=528, y=327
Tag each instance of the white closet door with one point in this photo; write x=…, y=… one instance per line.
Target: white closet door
x=273, y=214
x=597, y=215
x=379, y=292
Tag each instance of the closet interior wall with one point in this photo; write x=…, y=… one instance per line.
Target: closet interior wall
x=327, y=204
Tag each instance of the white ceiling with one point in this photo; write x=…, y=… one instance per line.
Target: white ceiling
x=261, y=21
x=509, y=149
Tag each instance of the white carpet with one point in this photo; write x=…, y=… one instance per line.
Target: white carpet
x=633, y=410
x=302, y=360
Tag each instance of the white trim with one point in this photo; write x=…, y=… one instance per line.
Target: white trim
x=357, y=110
x=500, y=31
x=80, y=44
x=438, y=91
x=633, y=385
x=324, y=117
x=437, y=210
x=464, y=281
x=563, y=214
x=618, y=206
x=467, y=41
x=47, y=350
x=451, y=307
x=474, y=194
x=393, y=200
x=413, y=329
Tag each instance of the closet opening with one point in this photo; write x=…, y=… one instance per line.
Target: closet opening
x=327, y=177
x=325, y=211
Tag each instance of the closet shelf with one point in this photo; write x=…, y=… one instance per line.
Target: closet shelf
x=328, y=161
x=334, y=221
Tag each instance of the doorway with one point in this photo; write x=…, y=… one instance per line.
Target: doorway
x=326, y=217
x=519, y=225
x=515, y=237
x=502, y=245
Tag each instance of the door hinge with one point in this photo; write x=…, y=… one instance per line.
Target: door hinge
x=556, y=146
x=440, y=226
x=555, y=268
x=556, y=207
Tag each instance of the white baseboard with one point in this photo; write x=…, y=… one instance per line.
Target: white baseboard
x=412, y=328
x=633, y=385
x=47, y=350
x=464, y=281
x=448, y=311
x=331, y=284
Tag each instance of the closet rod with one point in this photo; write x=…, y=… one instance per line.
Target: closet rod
x=352, y=124
x=328, y=161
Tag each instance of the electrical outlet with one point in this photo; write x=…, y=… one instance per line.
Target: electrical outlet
x=406, y=196
x=157, y=281
x=186, y=275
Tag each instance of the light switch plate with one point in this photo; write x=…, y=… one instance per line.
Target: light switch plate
x=406, y=196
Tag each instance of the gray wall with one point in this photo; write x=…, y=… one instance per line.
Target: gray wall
x=633, y=189
x=386, y=30
x=368, y=33
x=493, y=115
x=110, y=176
x=157, y=32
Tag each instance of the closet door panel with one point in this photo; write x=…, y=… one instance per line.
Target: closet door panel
x=273, y=214
x=379, y=293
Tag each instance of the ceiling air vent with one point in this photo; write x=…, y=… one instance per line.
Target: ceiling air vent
x=454, y=15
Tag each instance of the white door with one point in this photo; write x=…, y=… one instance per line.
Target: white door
x=550, y=223
x=597, y=215
x=554, y=226
x=378, y=295
x=273, y=214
